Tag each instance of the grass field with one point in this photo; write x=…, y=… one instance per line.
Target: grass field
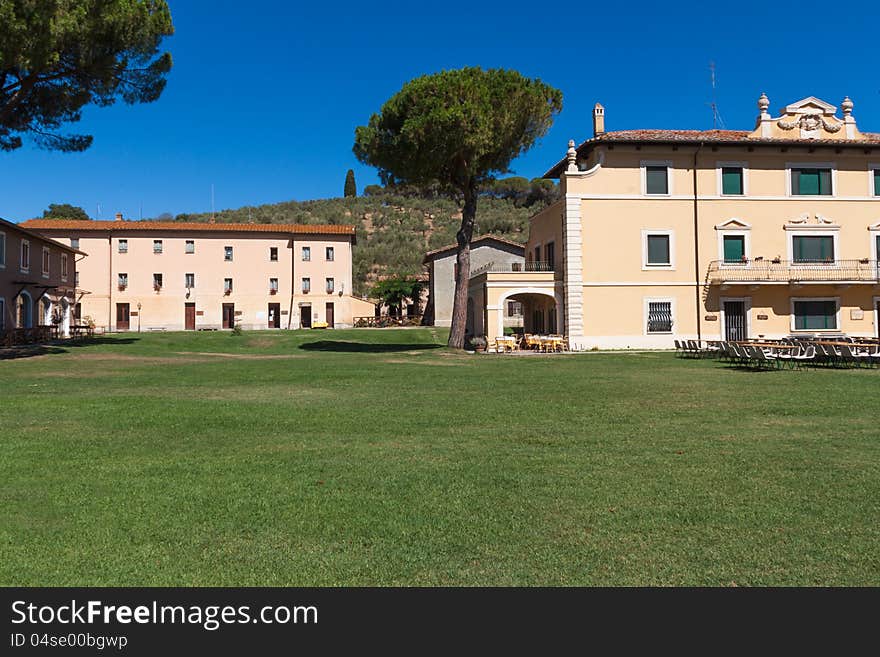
x=381, y=458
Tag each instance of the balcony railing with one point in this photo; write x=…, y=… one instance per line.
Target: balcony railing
x=507, y=267
x=790, y=271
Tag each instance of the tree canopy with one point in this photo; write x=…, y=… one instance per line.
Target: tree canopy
x=350, y=185
x=394, y=292
x=65, y=211
x=57, y=56
x=459, y=129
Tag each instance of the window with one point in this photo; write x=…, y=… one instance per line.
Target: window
x=123, y=246
x=47, y=256
x=25, y=260
x=331, y=284
x=550, y=254
x=877, y=181
x=190, y=246
x=329, y=253
x=74, y=242
x=273, y=285
x=815, y=314
x=306, y=285
x=306, y=253
x=227, y=253
x=811, y=182
x=812, y=248
x=76, y=279
x=273, y=253
x=2, y=250
x=157, y=281
x=656, y=179
x=2, y=314
x=732, y=181
x=657, y=249
x=514, y=308
x=734, y=249
x=189, y=281
x=537, y=254
x=63, y=266
x=122, y=280
x=157, y=246
x=227, y=285
x=659, y=317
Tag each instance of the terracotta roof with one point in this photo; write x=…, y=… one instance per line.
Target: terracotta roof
x=706, y=136
x=482, y=238
x=299, y=229
x=38, y=236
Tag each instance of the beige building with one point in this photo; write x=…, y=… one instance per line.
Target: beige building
x=37, y=282
x=720, y=234
x=148, y=275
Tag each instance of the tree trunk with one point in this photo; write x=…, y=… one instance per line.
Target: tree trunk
x=463, y=271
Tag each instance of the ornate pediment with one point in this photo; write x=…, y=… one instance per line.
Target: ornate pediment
x=810, y=118
x=733, y=224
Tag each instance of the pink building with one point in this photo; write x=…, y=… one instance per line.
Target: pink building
x=149, y=275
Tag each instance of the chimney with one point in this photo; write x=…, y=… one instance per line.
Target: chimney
x=118, y=216
x=598, y=120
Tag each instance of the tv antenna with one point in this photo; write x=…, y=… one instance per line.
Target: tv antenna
x=717, y=121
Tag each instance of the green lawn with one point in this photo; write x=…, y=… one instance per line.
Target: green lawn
x=381, y=458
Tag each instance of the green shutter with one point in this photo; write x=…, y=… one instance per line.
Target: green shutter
x=656, y=180
x=658, y=249
x=811, y=182
x=731, y=180
x=876, y=182
x=734, y=248
x=813, y=249
x=815, y=315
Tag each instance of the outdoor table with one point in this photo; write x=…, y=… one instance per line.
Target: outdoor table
x=507, y=341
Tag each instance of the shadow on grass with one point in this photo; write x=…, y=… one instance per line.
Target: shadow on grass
x=31, y=350
x=362, y=347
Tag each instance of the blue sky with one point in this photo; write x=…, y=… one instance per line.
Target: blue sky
x=264, y=96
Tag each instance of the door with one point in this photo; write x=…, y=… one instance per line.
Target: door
x=329, y=315
x=305, y=317
x=228, y=315
x=122, y=316
x=735, y=321
x=190, y=316
x=274, y=315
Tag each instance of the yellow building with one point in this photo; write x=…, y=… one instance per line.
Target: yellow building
x=720, y=234
x=148, y=275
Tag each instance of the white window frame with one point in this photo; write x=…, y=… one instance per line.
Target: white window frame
x=330, y=250
x=64, y=267
x=119, y=243
x=186, y=245
x=720, y=165
x=646, y=305
x=119, y=281
x=230, y=286
x=161, y=245
x=186, y=276
x=876, y=316
x=874, y=232
x=803, y=231
x=273, y=284
x=302, y=254
x=327, y=283
x=302, y=284
x=741, y=231
x=231, y=257
x=277, y=254
x=810, y=165
x=72, y=245
x=836, y=314
x=643, y=169
x=747, y=309
x=45, y=261
x=158, y=280
x=660, y=231
x=2, y=250
x=24, y=269
x=871, y=169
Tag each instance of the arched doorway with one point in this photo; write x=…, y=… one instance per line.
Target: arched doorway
x=24, y=310
x=45, y=314
x=540, y=310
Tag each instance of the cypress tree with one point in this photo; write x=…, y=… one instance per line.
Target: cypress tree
x=350, y=186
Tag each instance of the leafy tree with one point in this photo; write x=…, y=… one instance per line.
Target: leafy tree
x=374, y=190
x=65, y=211
x=394, y=292
x=57, y=56
x=350, y=186
x=460, y=128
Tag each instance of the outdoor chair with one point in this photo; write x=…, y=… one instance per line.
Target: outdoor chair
x=763, y=359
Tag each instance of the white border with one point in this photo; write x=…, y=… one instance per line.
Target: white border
x=119, y=245
x=656, y=163
x=646, y=302
x=119, y=282
x=877, y=317
x=65, y=267
x=874, y=233
x=30, y=302
x=747, y=309
x=871, y=169
x=792, y=322
x=161, y=248
x=811, y=165
x=745, y=178
x=660, y=231
x=799, y=232
x=185, y=243
x=302, y=252
x=326, y=259
x=744, y=231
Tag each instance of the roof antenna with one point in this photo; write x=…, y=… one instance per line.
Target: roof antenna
x=717, y=121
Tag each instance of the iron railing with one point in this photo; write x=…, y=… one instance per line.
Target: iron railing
x=793, y=271
x=508, y=267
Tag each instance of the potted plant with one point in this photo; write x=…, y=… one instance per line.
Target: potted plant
x=777, y=260
x=477, y=343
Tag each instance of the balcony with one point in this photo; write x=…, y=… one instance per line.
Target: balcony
x=774, y=271
x=511, y=267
